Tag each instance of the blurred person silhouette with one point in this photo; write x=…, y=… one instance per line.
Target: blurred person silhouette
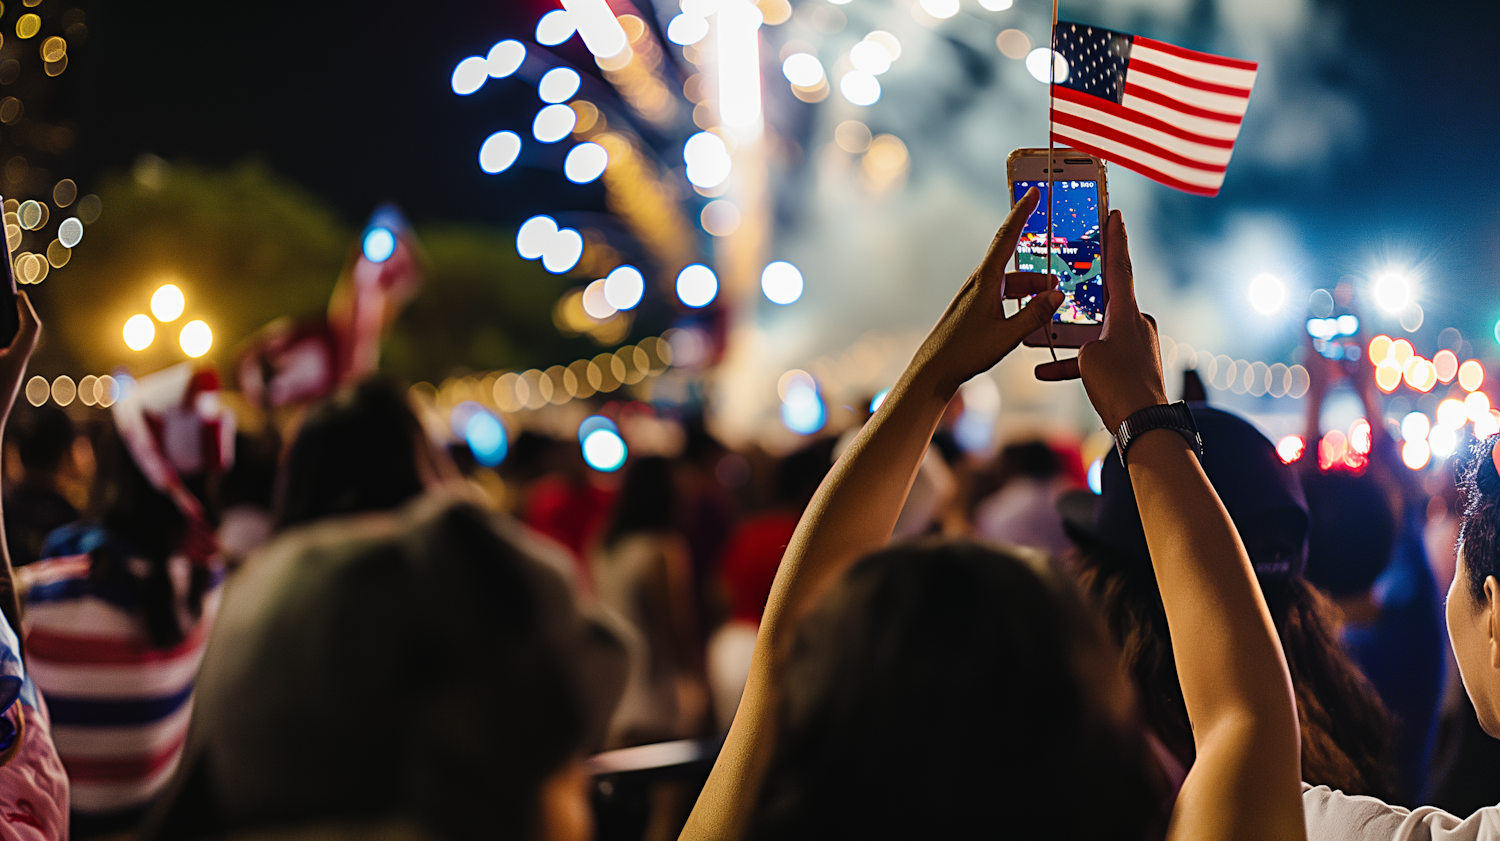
x=751, y=559
x=363, y=449
x=707, y=516
x=1345, y=728
x=34, y=791
x=308, y=723
x=49, y=469
x=118, y=613
x=1473, y=620
x=1390, y=602
x=571, y=503
x=1023, y=512
x=247, y=497
x=951, y=689
x=642, y=572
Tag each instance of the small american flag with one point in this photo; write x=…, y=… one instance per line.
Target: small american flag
x=1168, y=113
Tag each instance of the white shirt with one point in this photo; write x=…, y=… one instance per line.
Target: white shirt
x=1335, y=816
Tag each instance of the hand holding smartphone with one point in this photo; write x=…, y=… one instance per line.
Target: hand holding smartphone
x=1079, y=204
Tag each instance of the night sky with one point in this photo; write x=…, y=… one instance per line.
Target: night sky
x=352, y=101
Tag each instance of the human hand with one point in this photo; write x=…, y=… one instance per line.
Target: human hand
x=13, y=359
x=974, y=333
x=1121, y=370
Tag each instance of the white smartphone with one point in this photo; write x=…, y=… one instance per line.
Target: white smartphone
x=1079, y=198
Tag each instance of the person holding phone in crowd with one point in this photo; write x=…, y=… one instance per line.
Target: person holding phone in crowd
x=952, y=690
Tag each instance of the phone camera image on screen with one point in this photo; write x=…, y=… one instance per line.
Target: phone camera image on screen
x=1076, y=249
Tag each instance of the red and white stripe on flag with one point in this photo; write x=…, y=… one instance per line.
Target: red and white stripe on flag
x=1176, y=121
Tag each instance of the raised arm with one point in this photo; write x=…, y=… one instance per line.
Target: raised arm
x=12, y=371
x=1245, y=782
x=857, y=505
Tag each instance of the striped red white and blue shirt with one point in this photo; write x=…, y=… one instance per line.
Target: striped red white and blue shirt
x=120, y=705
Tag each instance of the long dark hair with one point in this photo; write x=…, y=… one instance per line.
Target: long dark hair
x=647, y=501
x=356, y=451
x=1479, y=532
x=944, y=689
x=143, y=524
x=1346, y=730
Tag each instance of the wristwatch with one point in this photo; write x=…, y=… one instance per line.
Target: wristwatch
x=1173, y=416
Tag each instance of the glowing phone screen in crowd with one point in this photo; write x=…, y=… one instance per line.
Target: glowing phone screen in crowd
x=1076, y=247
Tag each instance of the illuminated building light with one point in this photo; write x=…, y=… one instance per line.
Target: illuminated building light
x=1268, y=294
x=1477, y=407
x=868, y=56
x=505, y=58
x=554, y=28
x=585, y=162
x=558, y=84
x=803, y=70
x=781, y=282
x=470, y=75
x=140, y=331
x=739, y=64
x=598, y=27
x=687, y=30
x=697, y=285
x=604, y=450
x=1416, y=454
x=624, y=287
x=1445, y=365
x=195, y=338
x=167, y=303
x=1392, y=292
x=1415, y=426
x=1288, y=449
x=860, y=88
x=1471, y=375
x=1452, y=414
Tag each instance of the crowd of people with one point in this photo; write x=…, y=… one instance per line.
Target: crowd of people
x=336, y=626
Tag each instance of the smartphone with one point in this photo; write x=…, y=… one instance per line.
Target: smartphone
x=10, y=317
x=1079, y=199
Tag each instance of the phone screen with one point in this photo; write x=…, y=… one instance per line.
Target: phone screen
x=1076, y=253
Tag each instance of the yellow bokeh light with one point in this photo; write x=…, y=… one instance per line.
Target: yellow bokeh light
x=167, y=303
x=1380, y=349
x=1387, y=377
x=195, y=338
x=54, y=48
x=38, y=390
x=28, y=25
x=139, y=331
x=1471, y=375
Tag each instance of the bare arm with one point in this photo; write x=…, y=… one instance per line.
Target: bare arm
x=856, y=507
x=1245, y=782
x=12, y=371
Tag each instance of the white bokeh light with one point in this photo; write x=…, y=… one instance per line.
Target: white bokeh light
x=553, y=123
x=604, y=450
x=168, y=302
x=554, y=28
x=1267, y=294
x=940, y=9
x=585, y=162
x=1415, y=426
x=699, y=8
x=470, y=75
x=1392, y=292
x=996, y=5
x=558, y=248
x=707, y=159
x=70, y=232
x=781, y=282
x=596, y=301
x=563, y=252
x=140, y=331
x=533, y=235
x=720, y=217
x=697, y=285
x=1443, y=441
x=505, y=58
x=195, y=338
x=860, y=88
x=558, y=84
x=687, y=29
x=499, y=151
x=803, y=70
x=1036, y=65
x=624, y=287
x=871, y=57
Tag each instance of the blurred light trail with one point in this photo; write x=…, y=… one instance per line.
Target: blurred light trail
x=739, y=66
x=597, y=26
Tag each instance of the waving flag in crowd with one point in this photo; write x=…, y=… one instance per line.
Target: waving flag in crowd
x=1168, y=113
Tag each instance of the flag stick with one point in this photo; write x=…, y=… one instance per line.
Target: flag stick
x=1051, y=80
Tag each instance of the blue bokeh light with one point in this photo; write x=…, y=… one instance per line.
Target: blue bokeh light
x=604, y=450
x=379, y=244
x=486, y=438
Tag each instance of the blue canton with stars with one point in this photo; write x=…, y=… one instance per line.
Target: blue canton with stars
x=1096, y=58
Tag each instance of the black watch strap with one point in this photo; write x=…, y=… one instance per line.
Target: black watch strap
x=1173, y=416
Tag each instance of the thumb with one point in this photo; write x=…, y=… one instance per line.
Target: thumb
x=1036, y=314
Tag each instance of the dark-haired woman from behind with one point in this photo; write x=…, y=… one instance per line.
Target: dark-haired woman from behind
x=642, y=571
x=944, y=690
x=363, y=449
x=118, y=613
